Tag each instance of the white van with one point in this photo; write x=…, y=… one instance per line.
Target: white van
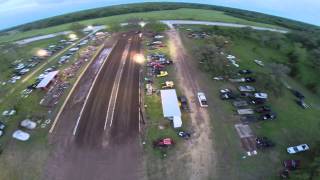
x=202, y=99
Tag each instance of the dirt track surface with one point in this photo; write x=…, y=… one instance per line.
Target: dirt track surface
x=101, y=146
x=200, y=149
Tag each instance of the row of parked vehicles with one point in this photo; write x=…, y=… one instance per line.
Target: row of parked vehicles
x=251, y=105
x=22, y=67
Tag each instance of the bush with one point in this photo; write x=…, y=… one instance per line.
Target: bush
x=156, y=27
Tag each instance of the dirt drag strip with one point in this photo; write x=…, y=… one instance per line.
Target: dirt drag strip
x=88, y=155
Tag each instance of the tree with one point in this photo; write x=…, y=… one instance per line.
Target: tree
x=269, y=82
x=315, y=58
x=213, y=61
x=296, y=54
x=156, y=27
x=77, y=27
x=115, y=27
x=221, y=42
x=279, y=70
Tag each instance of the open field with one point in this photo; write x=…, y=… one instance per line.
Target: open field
x=29, y=156
x=15, y=52
x=189, y=14
x=293, y=126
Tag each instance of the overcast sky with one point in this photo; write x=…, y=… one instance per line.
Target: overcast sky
x=15, y=12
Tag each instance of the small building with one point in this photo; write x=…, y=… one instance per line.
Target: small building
x=47, y=80
x=170, y=107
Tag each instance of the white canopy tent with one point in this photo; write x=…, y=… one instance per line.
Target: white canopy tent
x=170, y=107
x=47, y=79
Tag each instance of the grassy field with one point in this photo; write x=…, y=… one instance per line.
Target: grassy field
x=190, y=14
x=26, y=160
x=293, y=126
x=12, y=53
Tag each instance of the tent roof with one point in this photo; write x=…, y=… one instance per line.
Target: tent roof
x=170, y=105
x=47, y=79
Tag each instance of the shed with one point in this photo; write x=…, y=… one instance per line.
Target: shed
x=170, y=107
x=45, y=82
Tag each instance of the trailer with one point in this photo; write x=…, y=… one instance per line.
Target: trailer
x=245, y=111
x=240, y=103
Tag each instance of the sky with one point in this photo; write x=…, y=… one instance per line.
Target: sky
x=16, y=12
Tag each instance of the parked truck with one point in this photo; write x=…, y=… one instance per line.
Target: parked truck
x=202, y=99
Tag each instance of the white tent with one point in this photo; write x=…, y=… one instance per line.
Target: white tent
x=170, y=107
x=47, y=79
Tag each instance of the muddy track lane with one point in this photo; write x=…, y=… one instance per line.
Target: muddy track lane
x=126, y=118
x=99, y=149
x=90, y=129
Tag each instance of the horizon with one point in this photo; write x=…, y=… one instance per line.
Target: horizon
x=9, y=9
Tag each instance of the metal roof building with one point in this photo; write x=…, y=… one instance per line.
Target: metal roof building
x=170, y=106
x=47, y=79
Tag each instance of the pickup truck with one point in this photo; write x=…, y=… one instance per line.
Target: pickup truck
x=202, y=99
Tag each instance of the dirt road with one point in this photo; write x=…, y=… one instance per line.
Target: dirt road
x=200, y=149
x=170, y=23
x=96, y=136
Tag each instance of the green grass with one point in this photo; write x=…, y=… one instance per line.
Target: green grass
x=26, y=160
x=190, y=14
x=154, y=111
x=293, y=126
x=9, y=55
x=157, y=165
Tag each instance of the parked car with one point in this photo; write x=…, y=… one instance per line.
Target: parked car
x=299, y=148
x=263, y=109
x=184, y=134
x=9, y=112
x=257, y=101
x=167, y=85
x=28, y=124
x=183, y=102
x=246, y=94
x=284, y=174
x=291, y=164
x=21, y=135
x=263, y=142
x=202, y=99
x=225, y=91
x=260, y=63
x=297, y=94
x=165, y=142
x=162, y=74
x=2, y=127
x=240, y=103
x=246, y=89
x=268, y=116
x=249, y=79
x=248, y=118
x=245, y=71
x=218, y=78
x=302, y=104
x=261, y=95
x=226, y=96
x=245, y=111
